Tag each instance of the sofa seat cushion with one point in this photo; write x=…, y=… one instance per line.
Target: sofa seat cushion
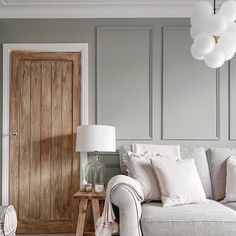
x=231, y=205
x=205, y=219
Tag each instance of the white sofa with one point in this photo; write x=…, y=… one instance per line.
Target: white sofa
x=205, y=219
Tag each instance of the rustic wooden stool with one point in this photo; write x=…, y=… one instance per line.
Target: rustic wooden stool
x=84, y=198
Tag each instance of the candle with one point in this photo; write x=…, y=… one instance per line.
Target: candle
x=99, y=188
x=88, y=188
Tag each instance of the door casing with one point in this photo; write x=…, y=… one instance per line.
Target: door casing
x=7, y=49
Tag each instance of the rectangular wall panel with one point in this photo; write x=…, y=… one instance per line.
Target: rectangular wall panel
x=124, y=81
x=232, y=99
x=190, y=91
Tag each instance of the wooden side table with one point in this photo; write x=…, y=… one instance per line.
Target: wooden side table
x=84, y=198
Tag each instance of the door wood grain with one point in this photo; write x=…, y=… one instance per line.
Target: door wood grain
x=44, y=167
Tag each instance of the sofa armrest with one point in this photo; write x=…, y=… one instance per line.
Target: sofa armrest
x=129, y=211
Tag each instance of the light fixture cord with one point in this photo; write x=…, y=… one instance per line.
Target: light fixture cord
x=214, y=7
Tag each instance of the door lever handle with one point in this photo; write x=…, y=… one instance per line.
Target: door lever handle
x=13, y=133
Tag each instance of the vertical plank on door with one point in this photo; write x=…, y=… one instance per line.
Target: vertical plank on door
x=24, y=132
x=46, y=132
x=67, y=140
x=14, y=126
x=56, y=142
x=35, y=72
x=76, y=121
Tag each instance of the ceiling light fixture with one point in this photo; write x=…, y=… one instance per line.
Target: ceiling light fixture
x=214, y=33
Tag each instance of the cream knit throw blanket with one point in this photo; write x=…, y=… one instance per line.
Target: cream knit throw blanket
x=106, y=224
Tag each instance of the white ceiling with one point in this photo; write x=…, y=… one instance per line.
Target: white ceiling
x=95, y=8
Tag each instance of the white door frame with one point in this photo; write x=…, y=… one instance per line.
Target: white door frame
x=58, y=47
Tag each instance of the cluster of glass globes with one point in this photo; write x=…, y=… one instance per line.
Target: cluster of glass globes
x=214, y=35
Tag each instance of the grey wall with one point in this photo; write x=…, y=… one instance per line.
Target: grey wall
x=143, y=80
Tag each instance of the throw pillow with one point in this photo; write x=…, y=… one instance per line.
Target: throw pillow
x=199, y=156
x=162, y=150
x=139, y=167
x=217, y=158
x=179, y=181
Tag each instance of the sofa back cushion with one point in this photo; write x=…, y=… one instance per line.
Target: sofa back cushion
x=200, y=159
x=230, y=188
x=217, y=158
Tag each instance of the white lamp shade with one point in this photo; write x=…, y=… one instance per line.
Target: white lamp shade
x=100, y=138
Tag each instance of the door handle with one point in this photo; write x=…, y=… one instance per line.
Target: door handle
x=13, y=133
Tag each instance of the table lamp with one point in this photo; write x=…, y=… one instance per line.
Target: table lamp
x=95, y=138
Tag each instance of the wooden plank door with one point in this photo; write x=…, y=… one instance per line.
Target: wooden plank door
x=44, y=167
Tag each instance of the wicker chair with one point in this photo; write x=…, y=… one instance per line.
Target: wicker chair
x=8, y=221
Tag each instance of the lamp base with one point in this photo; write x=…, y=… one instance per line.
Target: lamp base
x=95, y=174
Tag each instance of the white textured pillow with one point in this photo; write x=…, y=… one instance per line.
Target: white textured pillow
x=179, y=181
x=140, y=168
x=162, y=150
x=230, y=189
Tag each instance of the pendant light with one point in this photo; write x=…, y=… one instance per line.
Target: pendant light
x=214, y=33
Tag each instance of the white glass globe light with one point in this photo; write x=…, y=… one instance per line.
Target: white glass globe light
x=228, y=10
x=202, y=10
x=195, y=20
x=231, y=27
x=195, y=54
x=204, y=43
x=229, y=56
x=216, y=58
x=228, y=42
x=197, y=29
x=214, y=34
x=217, y=25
